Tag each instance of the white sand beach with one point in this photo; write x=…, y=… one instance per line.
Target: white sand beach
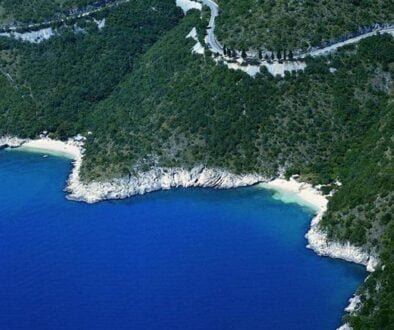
x=288, y=191
x=292, y=191
x=67, y=149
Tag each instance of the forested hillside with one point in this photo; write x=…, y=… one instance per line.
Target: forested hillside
x=67, y=76
x=33, y=11
x=283, y=24
x=148, y=101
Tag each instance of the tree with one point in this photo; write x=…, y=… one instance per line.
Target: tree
x=291, y=56
x=243, y=54
x=260, y=54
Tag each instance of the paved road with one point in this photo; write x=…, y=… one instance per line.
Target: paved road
x=216, y=47
x=69, y=15
x=211, y=40
x=329, y=49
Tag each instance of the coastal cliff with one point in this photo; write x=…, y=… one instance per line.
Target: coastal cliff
x=153, y=180
x=10, y=142
x=319, y=242
x=160, y=178
x=147, y=99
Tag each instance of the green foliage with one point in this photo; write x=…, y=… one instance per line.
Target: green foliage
x=149, y=101
x=33, y=11
x=68, y=75
x=293, y=24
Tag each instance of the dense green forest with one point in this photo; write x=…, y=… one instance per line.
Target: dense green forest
x=68, y=75
x=293, y=24
x=149, y=101
x=34, y=11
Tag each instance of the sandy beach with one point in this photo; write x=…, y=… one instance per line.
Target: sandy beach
x=292, y=191
x=46, y=145
x=288, y=191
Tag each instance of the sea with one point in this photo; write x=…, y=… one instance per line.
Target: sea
x=201, y=259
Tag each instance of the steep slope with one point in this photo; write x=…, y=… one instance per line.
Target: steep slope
x=324, y=126
x=34, y=11
x=278, y=25
x=68, y=75
x=148, y=101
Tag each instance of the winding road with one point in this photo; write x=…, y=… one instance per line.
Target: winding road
x=216, y=47
x=67, y=15
x=212, y=42
x=210, y=39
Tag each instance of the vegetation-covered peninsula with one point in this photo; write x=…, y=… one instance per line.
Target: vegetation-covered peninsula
x=142, y=99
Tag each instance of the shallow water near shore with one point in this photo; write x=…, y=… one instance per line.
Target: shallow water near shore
x=181, y=259
x=42, y=152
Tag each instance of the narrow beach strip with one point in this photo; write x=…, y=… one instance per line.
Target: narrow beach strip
x=292, y=191
x=53, y=147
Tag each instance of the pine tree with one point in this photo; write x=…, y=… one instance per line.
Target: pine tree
x=291, y=55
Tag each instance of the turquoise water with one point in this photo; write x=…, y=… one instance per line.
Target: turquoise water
x=181, y=259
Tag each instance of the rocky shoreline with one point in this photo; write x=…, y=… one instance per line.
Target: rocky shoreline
x=318, y=242
x=159, y=178
x=166, y=178
x=153, y=180
x=10, y=142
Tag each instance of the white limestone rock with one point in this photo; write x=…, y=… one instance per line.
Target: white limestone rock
x=198, y=48
x=187, y=5
x=155, y=179
x=318, y=241
x=10, y=142
x=31, y=36
x=345, y=327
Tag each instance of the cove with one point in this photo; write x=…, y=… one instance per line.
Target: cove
x=180, y=259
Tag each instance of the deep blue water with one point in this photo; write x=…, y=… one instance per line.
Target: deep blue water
x=182, y=259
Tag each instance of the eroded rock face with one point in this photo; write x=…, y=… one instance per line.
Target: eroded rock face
x=166, y=178
x=318, y=241
x=153, y=180
x=10, y=142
